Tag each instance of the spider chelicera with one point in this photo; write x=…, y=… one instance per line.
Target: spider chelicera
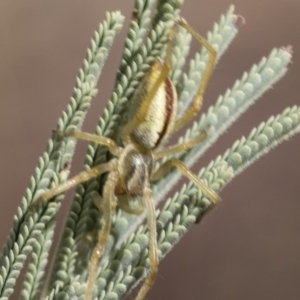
x=152, y=119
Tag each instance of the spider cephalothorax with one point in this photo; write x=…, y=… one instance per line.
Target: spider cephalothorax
x=134, y=169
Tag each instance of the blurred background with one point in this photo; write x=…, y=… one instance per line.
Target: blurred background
x=246, y=248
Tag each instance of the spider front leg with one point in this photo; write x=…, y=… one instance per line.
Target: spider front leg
x=153, y=257
x=196, y=105
x=81, y=177
x=107, y=207
x=164, y=168
x=98, y=201
x=101, y=140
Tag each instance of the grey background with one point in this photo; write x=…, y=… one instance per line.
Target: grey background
x=249, y=246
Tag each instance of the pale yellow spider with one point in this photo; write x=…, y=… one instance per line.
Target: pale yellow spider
x=152, y=116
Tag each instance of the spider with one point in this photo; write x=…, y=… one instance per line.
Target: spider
x=152, y=119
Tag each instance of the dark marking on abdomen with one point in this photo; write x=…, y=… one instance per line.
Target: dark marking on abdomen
x=168, y=109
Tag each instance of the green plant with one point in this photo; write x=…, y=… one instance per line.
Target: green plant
x=32, y=232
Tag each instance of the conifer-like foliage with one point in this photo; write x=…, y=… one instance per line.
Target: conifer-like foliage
x=125, y=262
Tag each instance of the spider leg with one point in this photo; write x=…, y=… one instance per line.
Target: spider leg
x=107, y=207
x=101, y=140
x=164, y=168
x=181, y=147
x=91, y=236
x=153, y=257
x=164, y=71
x=196, y=105
x=81, y=177
x=98, y=201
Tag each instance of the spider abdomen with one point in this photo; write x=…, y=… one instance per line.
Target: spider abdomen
x=160, y=116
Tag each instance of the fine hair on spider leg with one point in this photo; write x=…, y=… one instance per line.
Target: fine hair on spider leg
x=152, y=114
